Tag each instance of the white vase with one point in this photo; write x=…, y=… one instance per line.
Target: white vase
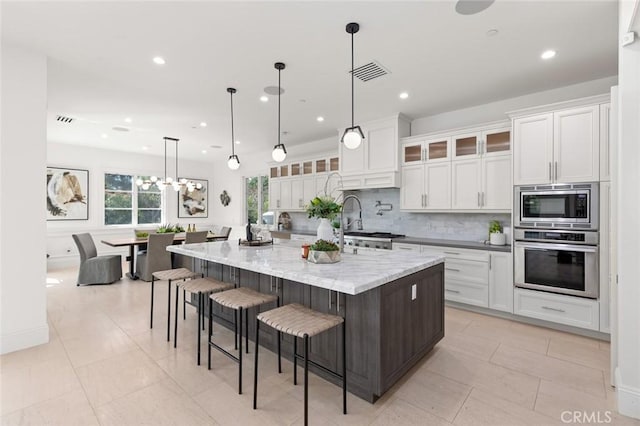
x=325, y=230
x=497, y=239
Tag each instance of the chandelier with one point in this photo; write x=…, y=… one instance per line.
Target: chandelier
x=162, y=183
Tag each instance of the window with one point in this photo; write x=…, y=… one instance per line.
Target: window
x=127, y=204
x=257, y=200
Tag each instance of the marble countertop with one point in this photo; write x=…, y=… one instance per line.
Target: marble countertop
x=477, y=245
x=355, y=274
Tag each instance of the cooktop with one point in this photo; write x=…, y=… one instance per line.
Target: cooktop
x=372, y=234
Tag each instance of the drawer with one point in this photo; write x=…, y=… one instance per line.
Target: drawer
x=467, y=271
x=459, y=253
x=406, y=247
x=575, y=311
x=465, y=292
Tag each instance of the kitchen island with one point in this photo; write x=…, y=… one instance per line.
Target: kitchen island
x=393, y=304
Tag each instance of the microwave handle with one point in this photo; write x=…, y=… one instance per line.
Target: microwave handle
x=554, y=246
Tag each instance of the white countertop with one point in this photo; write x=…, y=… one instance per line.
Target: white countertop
x=355, y=274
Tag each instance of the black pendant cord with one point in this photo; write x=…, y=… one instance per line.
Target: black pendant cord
x=279, y=93
x=352, y=84
x=165, y=160
x=177, y=174
x=233, y=151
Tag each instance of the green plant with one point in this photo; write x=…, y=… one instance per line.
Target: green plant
x=169, y=228
x=142, y=234
x=324, y=207
x=336, y=224
x=495, y=227
x=324, y=245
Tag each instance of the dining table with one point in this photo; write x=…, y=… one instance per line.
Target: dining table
x=134, y=242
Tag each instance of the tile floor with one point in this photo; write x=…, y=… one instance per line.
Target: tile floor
x=104, y=366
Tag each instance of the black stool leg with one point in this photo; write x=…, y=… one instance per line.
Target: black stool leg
x=306, y=379
x=152, y=285
x=240, y=354
x=235, y=329
x=246, y=330
x=200, y=318
x=255, y=367
x=168, y=310
x=344, y=368
x=184, y=304
x=279, y=354
x=295, y=360
x=175, y=328
x=210, y=334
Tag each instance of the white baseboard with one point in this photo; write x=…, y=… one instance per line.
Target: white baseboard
x=23, y=339
x=628, y=398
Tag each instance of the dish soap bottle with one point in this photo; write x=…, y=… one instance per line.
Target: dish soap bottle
x=249, y=233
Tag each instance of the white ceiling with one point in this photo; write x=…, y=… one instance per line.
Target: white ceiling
x=101, y=69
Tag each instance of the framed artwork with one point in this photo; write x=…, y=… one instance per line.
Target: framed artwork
x=67, y=194
x=194, y=203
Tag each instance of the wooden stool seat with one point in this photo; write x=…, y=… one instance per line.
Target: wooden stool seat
x=204, y=285
x=242, y=298
x=175, y=274
x=298, y=320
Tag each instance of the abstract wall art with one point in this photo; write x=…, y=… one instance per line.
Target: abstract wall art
x=194, y=203
x=67, y=194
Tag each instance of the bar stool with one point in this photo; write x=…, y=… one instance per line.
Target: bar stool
x=239, y=299
x=169, y=275
x=300, y=321
x=201, y=287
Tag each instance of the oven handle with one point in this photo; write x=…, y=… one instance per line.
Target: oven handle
x=552, y=246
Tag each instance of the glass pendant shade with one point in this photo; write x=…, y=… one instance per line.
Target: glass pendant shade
x=233, y=162
x=279, y=153
x=352, y=138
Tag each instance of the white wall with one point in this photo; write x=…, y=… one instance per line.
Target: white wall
x=496, y=111
x=628, y=374
x=23, y=306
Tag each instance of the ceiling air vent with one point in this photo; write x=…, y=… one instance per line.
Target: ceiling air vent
x=64, y=119
x=370, y=71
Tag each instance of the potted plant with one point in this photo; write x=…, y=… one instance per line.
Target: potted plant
x=326, y=209
x=323, y=251
x=169, y=228
x=496, y=237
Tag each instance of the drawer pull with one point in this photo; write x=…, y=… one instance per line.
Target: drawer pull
x=452, y=252
x=553, y=309
x=451, y=269
x=405, y=248
x=452, y=291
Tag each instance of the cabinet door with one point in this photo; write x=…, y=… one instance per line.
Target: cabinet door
x=466, y=146
x=381, y=148
x=605, y=156
x=274, y=172
x=321, y=166
x=297, y=194
x=412, y=191
x=437, y=150
x=334, y=164
x=532, y=149
x=308, y=190
x=496, y=142
x=274, y=194
x=501, y=281
x=285, y=194
x=351, y=160
x=496, y=183
x=323, y=347
x=576, y=145
x=437, y=186
x=467, y=184
x=413, y=153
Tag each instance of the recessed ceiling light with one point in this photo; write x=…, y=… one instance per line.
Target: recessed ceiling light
x=203, y=124
x=145, y=148
x=492, y=32
x=237, y=142
x=548, y=54
x=128, y=120
x=264, y=98
x=159, y=60
x=404, y=95
x=204, y=151
x=104, y=136
x=320, y=119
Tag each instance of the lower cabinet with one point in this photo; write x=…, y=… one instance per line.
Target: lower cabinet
x=569, y=310
x=501, y=281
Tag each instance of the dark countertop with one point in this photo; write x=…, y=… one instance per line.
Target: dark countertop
x=421, y=241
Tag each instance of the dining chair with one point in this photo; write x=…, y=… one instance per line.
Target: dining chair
x=182, y=261
x=156, y=258
x=96, y=269
x=224, y=233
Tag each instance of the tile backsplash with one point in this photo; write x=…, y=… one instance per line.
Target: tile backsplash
x=450, y=226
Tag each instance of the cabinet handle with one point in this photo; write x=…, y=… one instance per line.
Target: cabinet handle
x=553, y=309
x=482, y=203
x=426, y=200
x=451, y=252
x=330, y=300
x=337, y=301
x=271, y=284
x=556, y=167
x=405, y=248
x=452, y=291
x=478, y=199
x=451, y=269
x=549, y=170
x=489, y=261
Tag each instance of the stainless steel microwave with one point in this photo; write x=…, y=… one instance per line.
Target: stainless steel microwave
x=573, y=206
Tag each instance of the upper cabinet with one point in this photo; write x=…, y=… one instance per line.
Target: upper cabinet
x=558, y=146
x=605, y=141
x=376, y=162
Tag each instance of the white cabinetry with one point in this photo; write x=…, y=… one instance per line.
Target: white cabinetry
x=605, y=148
x=501, y=281
x=426, y=187
x=375, y=163
x=605, y=261
x=569, y=310
x=561, y=146
x=467, y=184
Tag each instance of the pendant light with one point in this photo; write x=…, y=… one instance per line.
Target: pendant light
x=279, y=152
x=167, y=180
x=353, y=136
x=233, y=162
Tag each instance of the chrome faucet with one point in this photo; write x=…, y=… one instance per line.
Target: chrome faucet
x=342, y=224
